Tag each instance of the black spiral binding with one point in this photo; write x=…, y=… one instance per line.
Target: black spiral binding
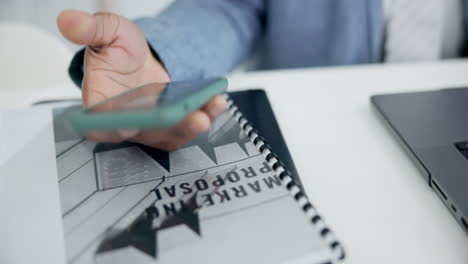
x=336, y=248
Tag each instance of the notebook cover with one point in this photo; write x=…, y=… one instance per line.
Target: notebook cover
x=130, y=202
x=256, y=107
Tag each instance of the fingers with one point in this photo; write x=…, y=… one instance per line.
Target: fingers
x=215, y=106
x=105, y=137
x=77, y=26
x=82, y=28
x=174, y=138
x=196, y=123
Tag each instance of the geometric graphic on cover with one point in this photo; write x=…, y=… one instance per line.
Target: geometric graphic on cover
x=142, y=233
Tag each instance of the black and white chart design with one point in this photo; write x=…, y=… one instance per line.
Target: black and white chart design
x=124, y=203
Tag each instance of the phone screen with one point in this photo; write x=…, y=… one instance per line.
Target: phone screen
x=150, y=96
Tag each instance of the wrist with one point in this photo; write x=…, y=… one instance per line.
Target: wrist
x=154, y=64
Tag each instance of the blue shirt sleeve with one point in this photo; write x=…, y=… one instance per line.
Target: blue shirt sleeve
x=197, y=39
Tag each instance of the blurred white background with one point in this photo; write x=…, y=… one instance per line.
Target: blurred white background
x=43, y=13
x=35, y=57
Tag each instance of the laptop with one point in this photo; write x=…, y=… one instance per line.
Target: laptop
x=433, y=128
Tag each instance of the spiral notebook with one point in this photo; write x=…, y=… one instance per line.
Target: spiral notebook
x=226, y=197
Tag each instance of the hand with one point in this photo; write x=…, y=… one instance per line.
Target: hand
x=118, y=58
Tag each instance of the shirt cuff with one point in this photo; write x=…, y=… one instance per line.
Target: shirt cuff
x=75, y=70
x=172, y=48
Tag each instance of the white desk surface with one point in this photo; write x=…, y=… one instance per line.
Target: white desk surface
x=354, y=172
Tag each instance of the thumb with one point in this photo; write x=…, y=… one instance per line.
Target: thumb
x=83, y=28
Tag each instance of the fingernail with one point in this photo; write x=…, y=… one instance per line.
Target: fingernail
x=199, y=124
x=216, y=110
x=125, y=134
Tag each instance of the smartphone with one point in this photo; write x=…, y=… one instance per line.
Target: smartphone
x=152, y=106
